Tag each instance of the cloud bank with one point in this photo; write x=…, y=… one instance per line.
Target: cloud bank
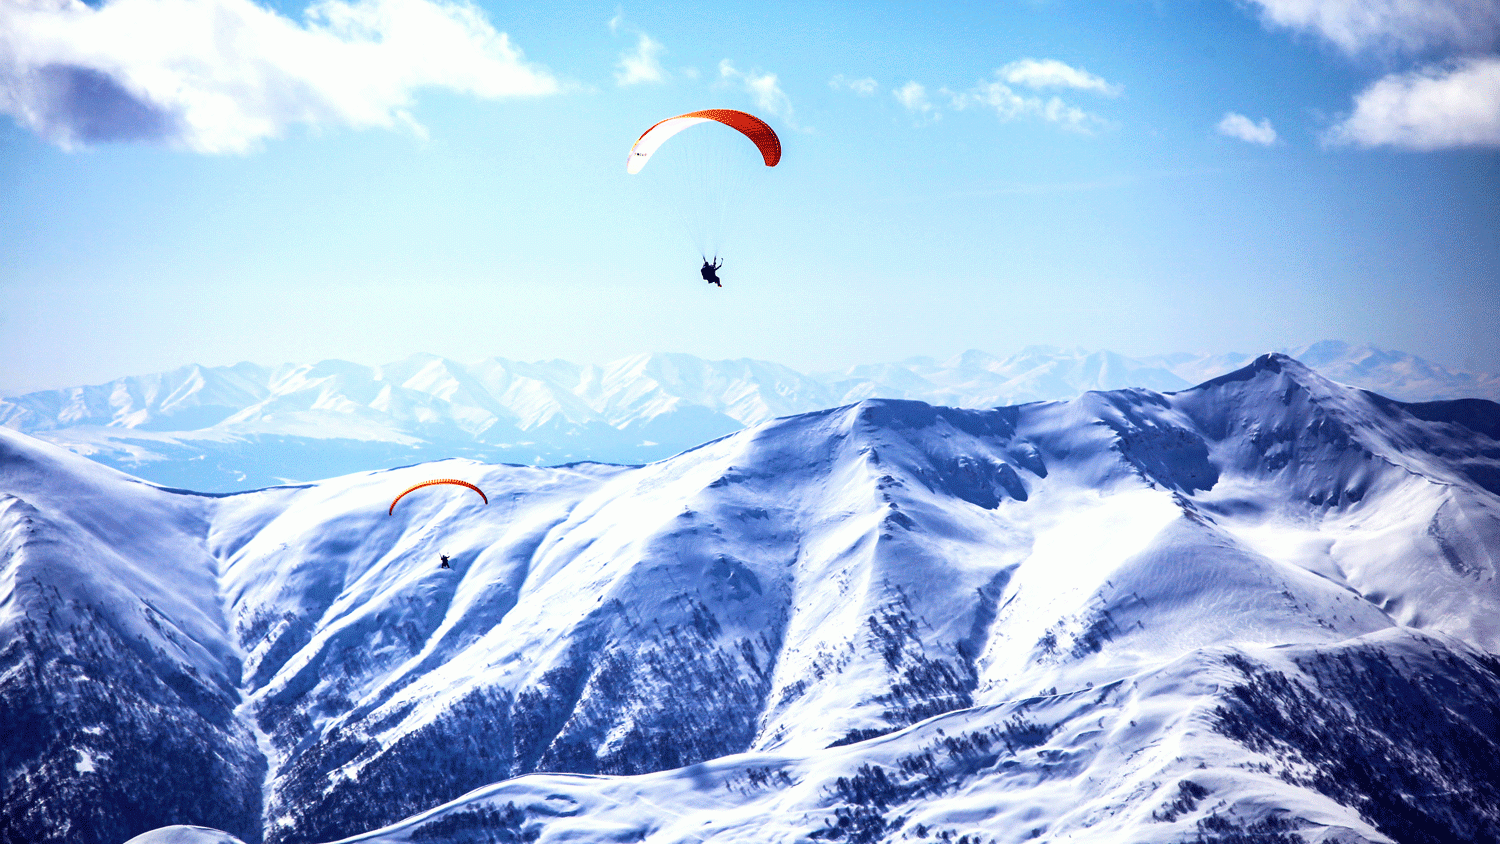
x=1428, y=109
x=1448, y=103
x=1392, y=25
x=1239, y=126
x=221, y=76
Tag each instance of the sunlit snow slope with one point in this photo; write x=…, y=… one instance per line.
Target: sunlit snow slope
x=1262, y=609
x=235, y=428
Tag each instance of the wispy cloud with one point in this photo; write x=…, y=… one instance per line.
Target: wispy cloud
x=999, y=97
x=1428, y=109
x=997, y=94
x=1392, y=25
x=762, y=88
x=643, y=64
x=1051, y=73
x=913, y=95
x=864, y=87
x=1239, y=126
x=221, y=76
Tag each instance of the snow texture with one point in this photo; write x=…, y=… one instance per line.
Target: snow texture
x=184, y=834
x=1265, y=608
x=242, y=427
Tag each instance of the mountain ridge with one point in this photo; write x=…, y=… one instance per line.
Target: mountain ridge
x=845, y=625
x=227, y=428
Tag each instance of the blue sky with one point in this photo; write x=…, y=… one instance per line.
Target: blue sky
x=209, y=181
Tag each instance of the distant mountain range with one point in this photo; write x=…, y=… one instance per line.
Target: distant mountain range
x=248, y=426
x=1263, y=609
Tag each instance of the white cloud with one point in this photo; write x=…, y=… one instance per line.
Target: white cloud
x=643, y=64
x=762, y=88
x=997, y=95
x=1051, y=73
x=1009, y=105
x=913, y=95
x=220, y=76
x=1401, y=25
x=1239, y=126
x=1432, y=108
x=863, y=87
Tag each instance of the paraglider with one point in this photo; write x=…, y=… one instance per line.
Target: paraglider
x=705, y=172
x=711, y=271
x=748, y=125
x=444, y=558
x=454, y=481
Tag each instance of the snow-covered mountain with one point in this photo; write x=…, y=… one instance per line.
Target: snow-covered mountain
x=1266, y=608
x=977, y=379
x=1398, y=375
x=241, y=427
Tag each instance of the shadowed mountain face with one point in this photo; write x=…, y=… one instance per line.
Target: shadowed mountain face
x=1265, y=608
x=246, y=426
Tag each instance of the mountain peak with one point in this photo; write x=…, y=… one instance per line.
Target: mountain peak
x=1276, y=362
x=903, y=596
x=225, y=428
x=1267, y=365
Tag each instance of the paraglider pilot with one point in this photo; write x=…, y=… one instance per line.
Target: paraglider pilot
x=710, y=271
x=445, y=562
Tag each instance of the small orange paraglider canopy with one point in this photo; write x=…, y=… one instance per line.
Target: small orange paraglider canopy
x=752, y=127
x=453, y=481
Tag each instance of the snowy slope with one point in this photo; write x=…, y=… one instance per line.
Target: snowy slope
x=1226, y=745
x=242, y=427
x=117, y=673
x=1104, y=565
x=880, y=622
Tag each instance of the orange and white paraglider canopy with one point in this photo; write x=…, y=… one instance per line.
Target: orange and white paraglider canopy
x=453, y=481
x=748, y=125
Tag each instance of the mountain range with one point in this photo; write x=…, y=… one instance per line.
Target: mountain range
x=246, y=426
x=1265, y=608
